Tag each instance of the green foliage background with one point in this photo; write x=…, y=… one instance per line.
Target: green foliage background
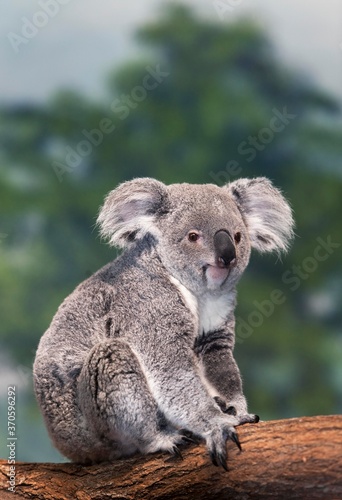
x=223, y=84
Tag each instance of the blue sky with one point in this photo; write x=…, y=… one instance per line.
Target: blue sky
x=80, y=41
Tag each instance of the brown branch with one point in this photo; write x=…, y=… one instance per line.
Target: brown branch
x=299, y=458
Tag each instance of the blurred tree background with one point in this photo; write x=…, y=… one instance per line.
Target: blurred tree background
x=209, y=103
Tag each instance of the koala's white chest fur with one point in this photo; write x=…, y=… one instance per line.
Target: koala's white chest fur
x=211, y=311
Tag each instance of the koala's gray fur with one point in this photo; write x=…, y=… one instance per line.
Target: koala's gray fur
x=141, y=353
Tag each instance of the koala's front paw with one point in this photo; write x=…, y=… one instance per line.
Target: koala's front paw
x=216, y=444
x=233, y=409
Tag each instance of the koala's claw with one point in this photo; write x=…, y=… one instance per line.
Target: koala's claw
x=219, y=459
x=189, y=437
x=176, y=452
x=217, y=445
x=234, y=437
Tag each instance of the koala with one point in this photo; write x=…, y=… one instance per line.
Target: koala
x=139, y=358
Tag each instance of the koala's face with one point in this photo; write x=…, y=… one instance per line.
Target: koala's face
x=203, y=239
x=203, y=233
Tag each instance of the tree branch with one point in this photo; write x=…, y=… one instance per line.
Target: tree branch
x=298, y=458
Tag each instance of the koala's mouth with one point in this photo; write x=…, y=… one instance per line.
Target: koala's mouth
x=215, y=275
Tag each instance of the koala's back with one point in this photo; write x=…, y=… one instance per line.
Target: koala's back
x=125, y=295
x=76, y=327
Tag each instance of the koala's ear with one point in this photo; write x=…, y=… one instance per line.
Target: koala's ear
x=266, y=213
x=130, y=211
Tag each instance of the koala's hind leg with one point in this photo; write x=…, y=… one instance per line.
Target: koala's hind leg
x=119, y=408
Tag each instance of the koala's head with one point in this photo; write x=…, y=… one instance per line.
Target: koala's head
x=203, y=233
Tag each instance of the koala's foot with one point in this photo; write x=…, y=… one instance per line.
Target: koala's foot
x=168, y=442
x=216, y=444
x=233, y=409
x=118, y=405
x=248, y=418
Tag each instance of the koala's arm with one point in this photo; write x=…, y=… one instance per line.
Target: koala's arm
x=176, y=385
x=215, y=351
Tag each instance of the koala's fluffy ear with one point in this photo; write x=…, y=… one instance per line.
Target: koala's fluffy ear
x=130, y=211
x=267, y=214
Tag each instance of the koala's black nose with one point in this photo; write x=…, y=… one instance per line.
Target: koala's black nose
x=224, y=248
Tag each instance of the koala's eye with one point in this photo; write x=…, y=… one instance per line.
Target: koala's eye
x=237, y=237
x=193, y=236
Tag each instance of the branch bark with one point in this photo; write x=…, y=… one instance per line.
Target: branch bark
x=298, y=458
